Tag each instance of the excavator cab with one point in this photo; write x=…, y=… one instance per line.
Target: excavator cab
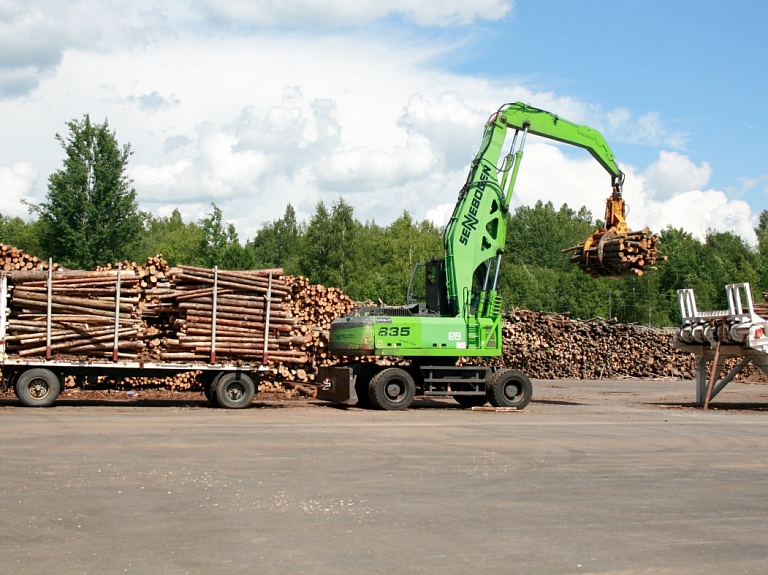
x=427, y=289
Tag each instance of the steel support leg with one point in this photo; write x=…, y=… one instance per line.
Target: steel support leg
x=701, y=379
x=731, y=374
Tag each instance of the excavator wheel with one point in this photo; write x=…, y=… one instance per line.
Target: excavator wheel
x=509, y=388
x=392, y=389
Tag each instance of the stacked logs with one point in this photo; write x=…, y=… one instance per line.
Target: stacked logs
x=16, y=259
x=185, y=381
x=315, y=306
x=761, y=307
x=162, y=315
x=152, y=272
x=242, y=306
x=557, y=347
x=610, y=254
x=82, y=314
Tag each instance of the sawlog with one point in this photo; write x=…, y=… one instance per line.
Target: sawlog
x=607, y=254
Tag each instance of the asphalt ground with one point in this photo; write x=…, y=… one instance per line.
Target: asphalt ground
x=593, y=477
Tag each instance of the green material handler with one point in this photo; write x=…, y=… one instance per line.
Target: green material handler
x=453, y=308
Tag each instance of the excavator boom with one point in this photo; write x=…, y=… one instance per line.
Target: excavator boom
x=476, y=233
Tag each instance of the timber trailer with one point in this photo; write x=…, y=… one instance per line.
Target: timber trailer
x=38, y=380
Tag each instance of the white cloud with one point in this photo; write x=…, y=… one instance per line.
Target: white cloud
x=362, y=169
x=649, y=129
x=450, y=125
x=440, y=215
x=34, y=37
x=697, y=211
x=343, y=12
x=154, y=102
x=671, y=192
x=16, y=182
x=674, y=173
x=253, y=123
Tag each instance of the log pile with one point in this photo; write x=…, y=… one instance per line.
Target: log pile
x=163, y=315
x=16, y=259
x=314, y=307
x=186, y=381
x=241, y=317
x=555, y=346
x=611, y=255
x=317, y=305
x=761, y=307
x=152, y=272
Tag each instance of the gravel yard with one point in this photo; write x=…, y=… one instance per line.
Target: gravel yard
x=593, y=477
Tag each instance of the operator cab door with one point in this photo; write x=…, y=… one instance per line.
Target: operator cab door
x=427, y=290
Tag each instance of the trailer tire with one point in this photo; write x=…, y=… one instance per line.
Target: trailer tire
x=37, y=387
x=468, y=401
x=509, y=388
x=392, y=389
x=234, y=390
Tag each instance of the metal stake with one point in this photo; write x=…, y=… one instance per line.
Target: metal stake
x=213, y=314
x=48, y=315
x=3, y=304
x=117, y=311
x=265, y=357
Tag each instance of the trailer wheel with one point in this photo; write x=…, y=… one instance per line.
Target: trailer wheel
x=234, y=390
x=468, y=401
x=509, y=388
x=37, y=387
x=392, y=389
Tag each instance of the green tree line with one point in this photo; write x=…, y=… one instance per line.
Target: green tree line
x=90, y=216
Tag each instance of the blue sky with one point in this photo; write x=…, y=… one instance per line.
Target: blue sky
x=702, y=65
x=254, y=104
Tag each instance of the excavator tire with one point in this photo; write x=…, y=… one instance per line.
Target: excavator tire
x=392, y=389
x=509, y=388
